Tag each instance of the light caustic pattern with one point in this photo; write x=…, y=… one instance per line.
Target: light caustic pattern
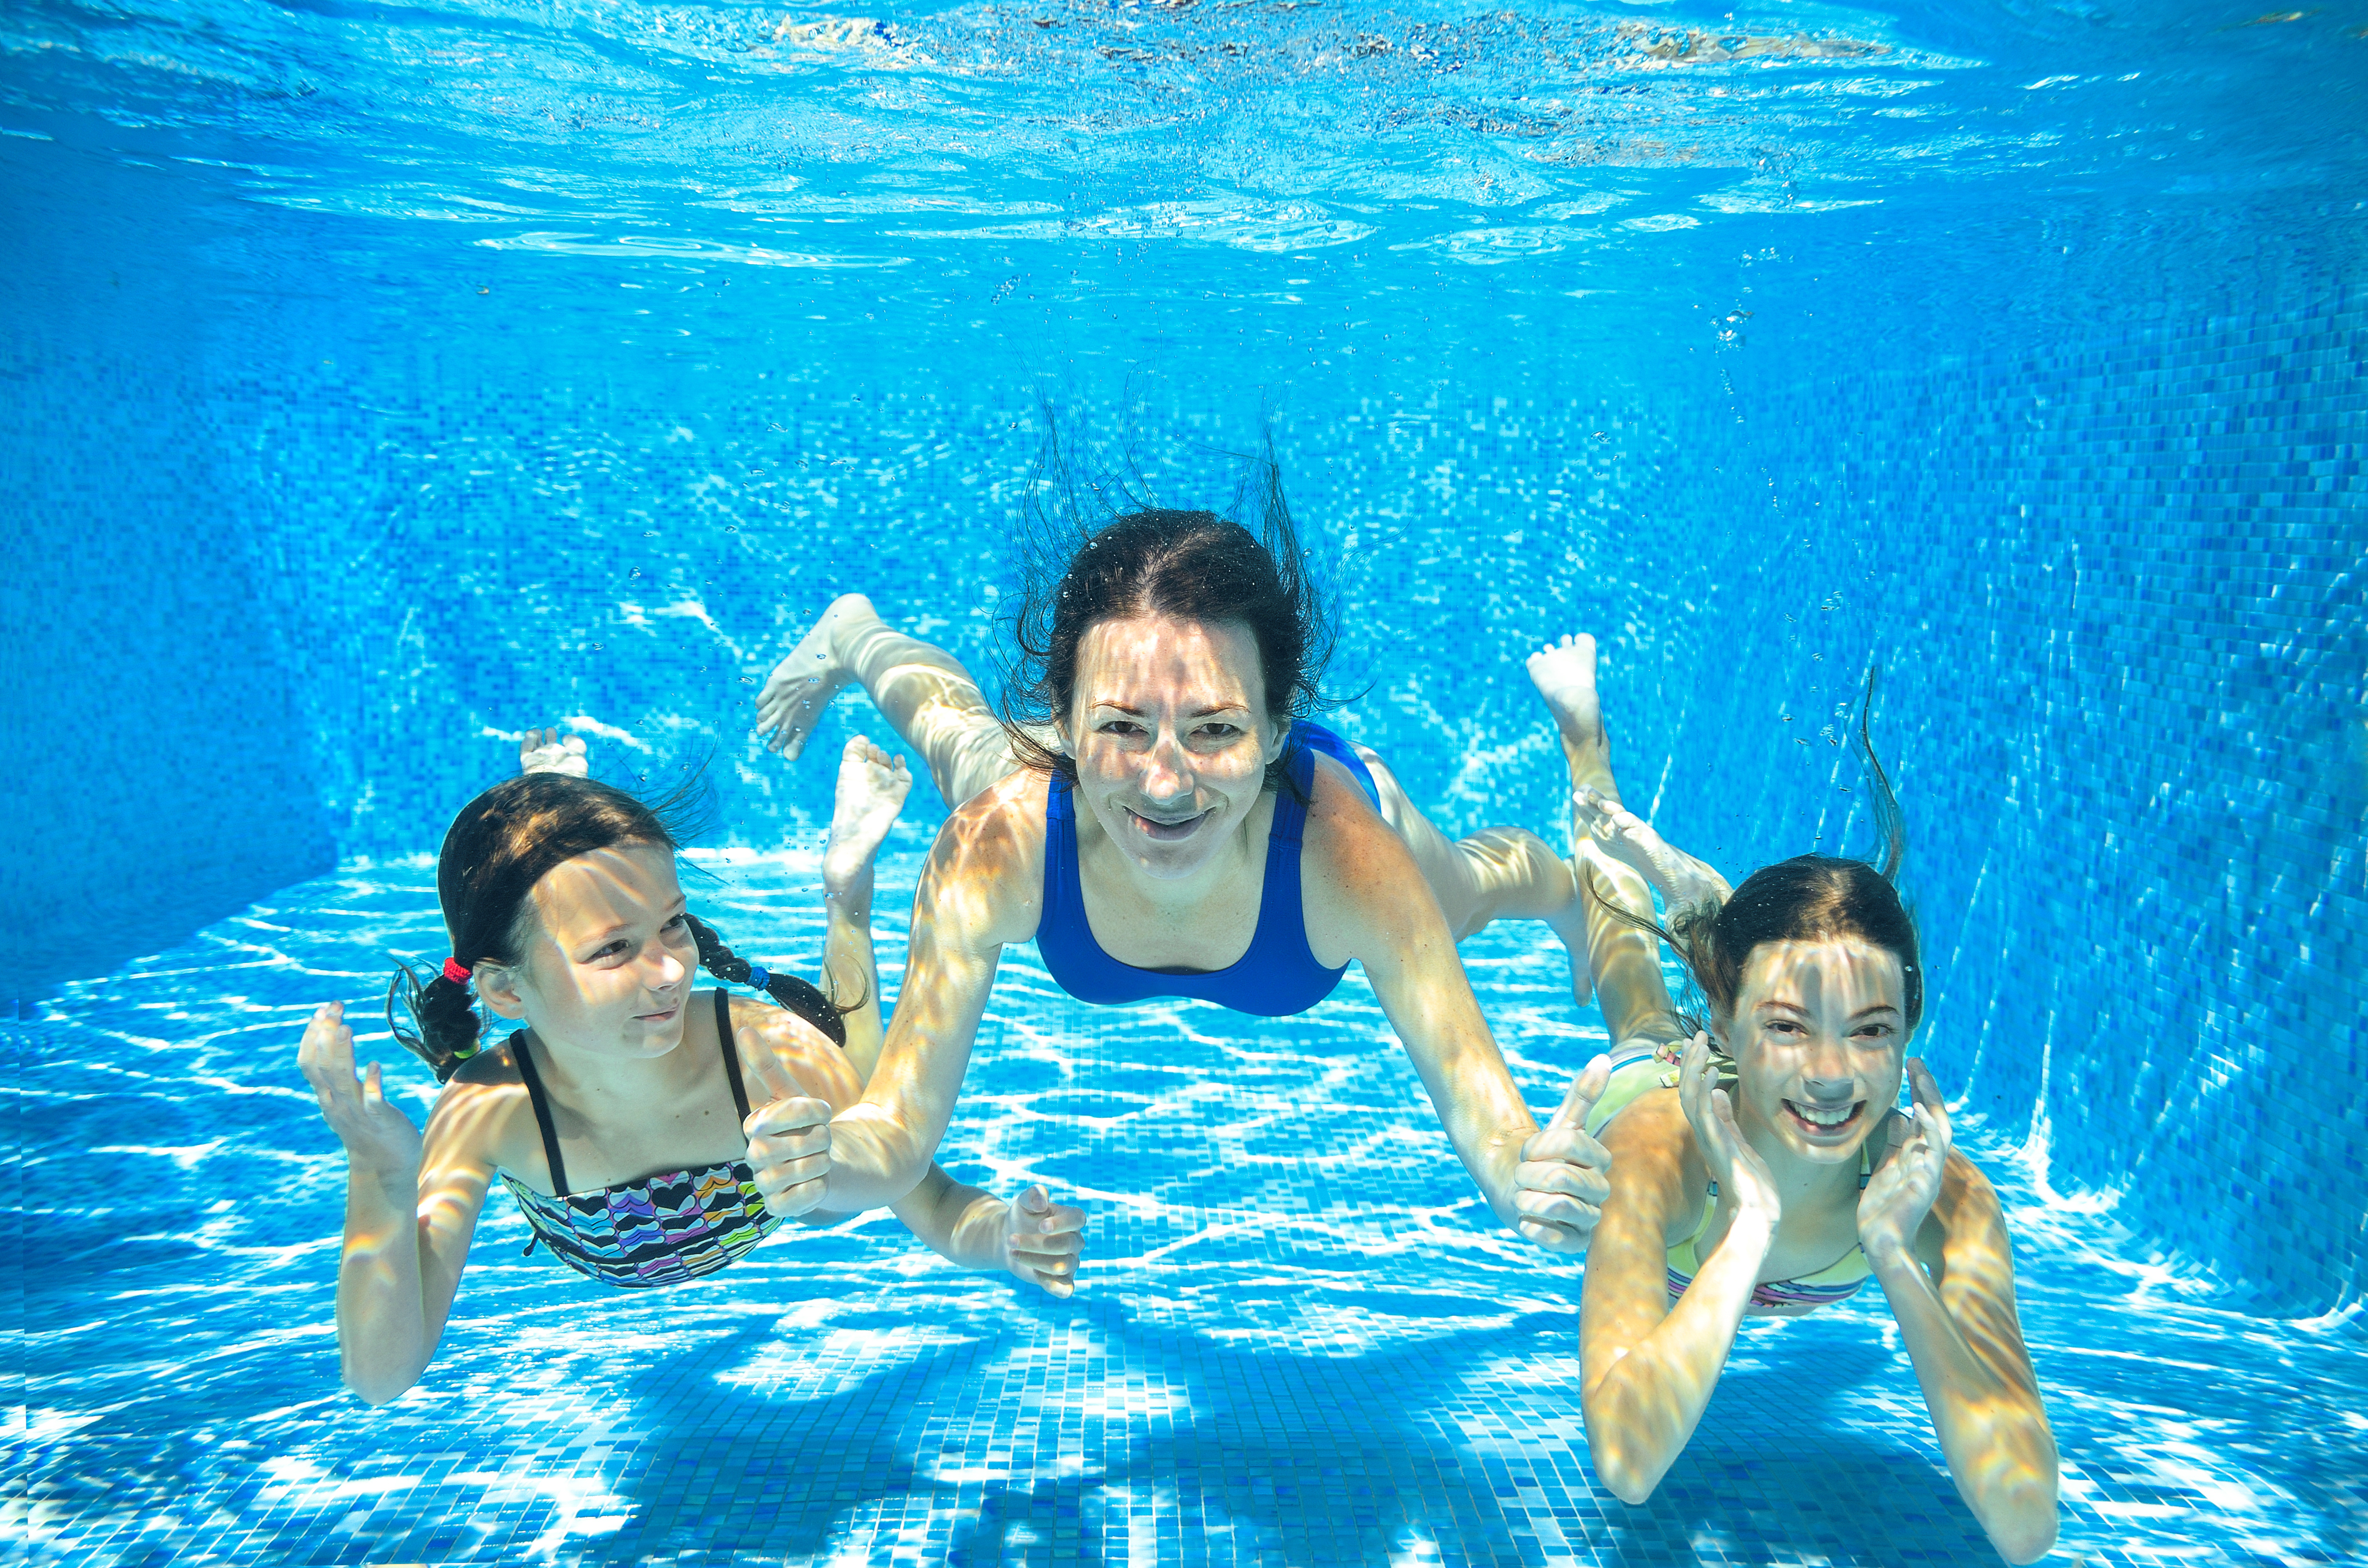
x=1297, y=1339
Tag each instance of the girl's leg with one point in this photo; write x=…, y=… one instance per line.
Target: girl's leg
x=1625, y=959
x=1511, y=873
x=922, y=690
x=871, y=790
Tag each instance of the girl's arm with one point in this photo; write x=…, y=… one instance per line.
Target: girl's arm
x=411, y=1208
x=1933, y=1231
x=1648, y=1369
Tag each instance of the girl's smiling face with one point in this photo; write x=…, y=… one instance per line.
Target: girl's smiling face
x=1818, y=1035
x=609, y=966
x=1171, y=737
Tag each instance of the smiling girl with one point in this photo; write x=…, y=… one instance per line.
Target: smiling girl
x=1769, y=1176
x=631, y=1117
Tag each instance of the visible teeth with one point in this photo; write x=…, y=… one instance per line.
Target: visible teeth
x=1823, y=1117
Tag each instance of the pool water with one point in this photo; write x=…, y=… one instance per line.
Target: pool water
x=1298, y=1338
x=381, y=379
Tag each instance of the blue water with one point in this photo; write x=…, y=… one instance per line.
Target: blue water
x=381, y=379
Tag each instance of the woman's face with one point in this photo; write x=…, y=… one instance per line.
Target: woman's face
x=1169, y=729
x=1817, y=1035
x=608, y=969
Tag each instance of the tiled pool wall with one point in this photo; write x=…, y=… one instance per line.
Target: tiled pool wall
x=2124, y=640
x=2113, y=587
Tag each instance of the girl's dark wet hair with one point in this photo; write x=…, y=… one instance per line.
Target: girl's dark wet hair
x=497, y=849
x=1193, y=565
x=1808, y=898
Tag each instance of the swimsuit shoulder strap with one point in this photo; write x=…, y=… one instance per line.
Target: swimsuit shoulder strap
x=533, y=1081
x=730, y=1051
x=1289, y=821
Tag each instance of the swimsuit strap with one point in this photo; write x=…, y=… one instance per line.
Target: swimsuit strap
x=533, y=1081
x=731, y=1052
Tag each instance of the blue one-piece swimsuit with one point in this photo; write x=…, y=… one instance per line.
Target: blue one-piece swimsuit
x=1277, y=977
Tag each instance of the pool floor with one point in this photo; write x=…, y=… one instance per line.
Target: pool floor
x=1296, y=1340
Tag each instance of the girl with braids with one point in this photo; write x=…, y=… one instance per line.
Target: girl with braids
x=1767, y=1175
x=1159, y=816
x=642, y=1126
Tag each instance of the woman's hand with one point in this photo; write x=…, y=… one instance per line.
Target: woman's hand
x=1041, y=1242
x=379, y=1139
x=1734, y=1164
x=1906, y=1184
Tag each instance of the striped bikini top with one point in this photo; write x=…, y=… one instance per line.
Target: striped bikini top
x=661, y=1229
x=1838, y=1281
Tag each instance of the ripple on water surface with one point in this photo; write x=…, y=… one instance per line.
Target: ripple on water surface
x=1298, y=1339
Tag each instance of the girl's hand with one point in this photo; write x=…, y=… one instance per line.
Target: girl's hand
x=379, y=1139
x=1041, y=1244
x=1904, y=1183
x=1734, y=1164
x=788, y=1131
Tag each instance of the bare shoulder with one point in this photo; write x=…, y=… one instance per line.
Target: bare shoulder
x=1357, y=877
x=985, y=877
x=484, y=1117
x=792, y=1046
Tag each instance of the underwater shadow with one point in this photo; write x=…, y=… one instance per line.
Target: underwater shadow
x=733, y=1470
x=1784, y=1466
x=1326, y=1457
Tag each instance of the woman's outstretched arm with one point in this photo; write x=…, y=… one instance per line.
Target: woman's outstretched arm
x=980, y=888
x=1935, y=1236
x=1367, y=899
x=1034, y=1238
x=1648, y=1369
x=411, y=1208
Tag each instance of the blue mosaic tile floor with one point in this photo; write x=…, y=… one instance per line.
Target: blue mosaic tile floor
x=1296, y=1342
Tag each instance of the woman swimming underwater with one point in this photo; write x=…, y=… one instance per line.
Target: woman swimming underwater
x=626, y=1116
x=1767, y=1175
x=1166, y=827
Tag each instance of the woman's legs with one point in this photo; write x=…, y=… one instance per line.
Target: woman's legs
x=922, y=690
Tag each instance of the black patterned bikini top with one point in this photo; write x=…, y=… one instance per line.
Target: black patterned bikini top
x=661, y=1229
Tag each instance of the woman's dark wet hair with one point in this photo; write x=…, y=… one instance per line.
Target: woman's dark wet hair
x=1808, y=898
x=1144, y=560
x=497, y=849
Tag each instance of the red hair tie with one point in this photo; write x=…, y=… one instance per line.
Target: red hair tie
x=456, y=971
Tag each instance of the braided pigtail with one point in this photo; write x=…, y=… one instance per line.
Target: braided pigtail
x=788, y=990
x=447, y=1025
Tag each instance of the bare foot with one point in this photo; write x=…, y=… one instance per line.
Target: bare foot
x=1629, y=839
x=1564, y=673
x=543, y=750
x=801, y=685
x=871, y=790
